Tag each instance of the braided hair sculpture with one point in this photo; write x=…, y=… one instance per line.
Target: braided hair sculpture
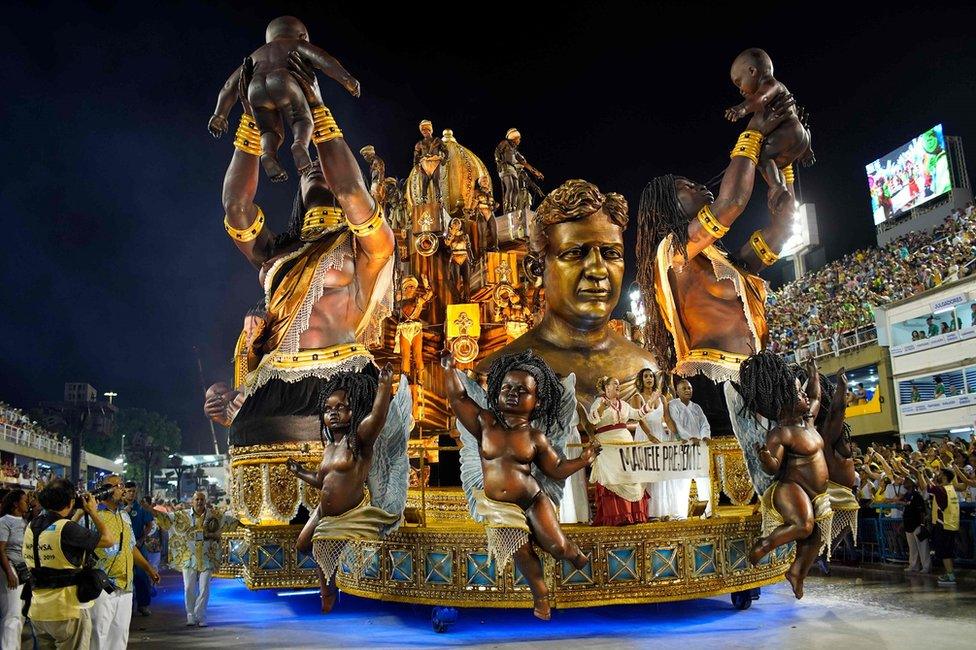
x=549, y=391
x=658, y=216
x=768, y=386
x=360, y=388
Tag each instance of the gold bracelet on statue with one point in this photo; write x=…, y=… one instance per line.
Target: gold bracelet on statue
x=325, y=127
x=248, y=137
x=371, y=225
x=711, y=225
x=748, y=145
x=763, y=250
x=246, y=234
x=320, y=221
x=788, y=176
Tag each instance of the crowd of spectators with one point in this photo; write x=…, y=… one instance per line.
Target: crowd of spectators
x=900, y=481
x=816, y=311
x=17, y=427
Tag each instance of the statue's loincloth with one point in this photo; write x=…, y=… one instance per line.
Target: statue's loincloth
x=822, y=515
x=506, y=528
x=360, y=523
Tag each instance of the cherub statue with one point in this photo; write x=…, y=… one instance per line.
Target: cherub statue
x=364, y=472
x=273, y=92
x=513, y=465
x=795, y=506
x=752, y=74
x=838, y=454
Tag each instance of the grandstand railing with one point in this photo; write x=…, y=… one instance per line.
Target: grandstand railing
x=25, y=437
x=834, y=346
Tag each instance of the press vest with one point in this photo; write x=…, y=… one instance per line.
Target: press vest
x=52, y=604
x=949, y=517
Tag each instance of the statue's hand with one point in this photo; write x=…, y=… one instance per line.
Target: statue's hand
x=447, y=360
x=776, y=111
x=217, y=125
x=735, y=113
x=591, y=452
x=386, y=375
x=780, y=203
x=352, y=85
x=215, y=408
x=293, y=466
x=305, y=76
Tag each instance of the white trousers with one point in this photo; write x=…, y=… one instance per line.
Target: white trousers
x=196, y=593
x=918, y=553
x=13, y=622
x=111, y=615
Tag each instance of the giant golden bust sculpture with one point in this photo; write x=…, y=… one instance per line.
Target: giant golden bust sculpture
x=577, y=249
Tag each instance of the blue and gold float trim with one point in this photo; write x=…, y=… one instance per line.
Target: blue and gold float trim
x=448, y=564
x=445, y=562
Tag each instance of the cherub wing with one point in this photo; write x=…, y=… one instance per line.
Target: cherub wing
x=472, y=476
x=559, y=438
x=389, y=475
x=750, y=434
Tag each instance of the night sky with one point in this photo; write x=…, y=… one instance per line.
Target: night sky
x=114, y=262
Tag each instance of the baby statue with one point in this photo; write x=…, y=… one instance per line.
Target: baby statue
x=514, y=441
x=752, y=74
x=273, y=93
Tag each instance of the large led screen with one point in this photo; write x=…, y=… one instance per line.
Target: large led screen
x=909, y=176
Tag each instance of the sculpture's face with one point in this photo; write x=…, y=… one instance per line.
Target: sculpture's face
x=314, y=187
x=692, y=196
x=337, y=413
x=518, y=393
x=584, y=269
x=516, y=140
x=745, y=77
x=426, y=130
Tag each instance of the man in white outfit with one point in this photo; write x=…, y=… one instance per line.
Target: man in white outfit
x=693, y=427
x=194, y=547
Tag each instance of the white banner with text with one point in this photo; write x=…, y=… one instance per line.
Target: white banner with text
x=653, y=462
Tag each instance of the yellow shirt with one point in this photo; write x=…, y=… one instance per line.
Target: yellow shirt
x=52, y=604
x=116, y=560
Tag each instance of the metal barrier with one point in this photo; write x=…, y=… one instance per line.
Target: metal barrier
x=882, y=539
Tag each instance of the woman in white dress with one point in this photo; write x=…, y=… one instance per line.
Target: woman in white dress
x=656, y=426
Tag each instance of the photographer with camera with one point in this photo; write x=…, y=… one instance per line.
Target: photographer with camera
x=113, y=610
x=59, y=619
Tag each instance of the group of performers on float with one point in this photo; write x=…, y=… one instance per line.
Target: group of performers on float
x=327, y=283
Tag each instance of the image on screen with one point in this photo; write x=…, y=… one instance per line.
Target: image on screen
x=909, y=176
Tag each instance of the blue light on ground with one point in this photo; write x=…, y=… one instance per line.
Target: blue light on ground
x=257, y=615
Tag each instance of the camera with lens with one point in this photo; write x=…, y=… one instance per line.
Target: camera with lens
x=99, y=493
